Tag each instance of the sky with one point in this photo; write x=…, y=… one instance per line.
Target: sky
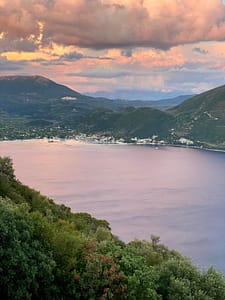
x=134, y=49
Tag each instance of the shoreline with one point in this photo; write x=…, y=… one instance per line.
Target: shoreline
x=90, y=141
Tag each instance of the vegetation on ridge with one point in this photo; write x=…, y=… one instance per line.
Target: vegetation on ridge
x=48, y=252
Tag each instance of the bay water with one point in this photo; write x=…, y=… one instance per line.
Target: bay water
x=176, y=193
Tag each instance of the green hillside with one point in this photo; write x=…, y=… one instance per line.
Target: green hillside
x=202, y=118
x=130, y=122
x=49, y=253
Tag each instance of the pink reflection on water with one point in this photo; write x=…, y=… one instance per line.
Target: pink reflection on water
x=172, y=192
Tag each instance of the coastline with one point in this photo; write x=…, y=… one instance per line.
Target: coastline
x=90, y=140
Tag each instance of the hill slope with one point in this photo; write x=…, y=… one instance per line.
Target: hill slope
x=162, y=104
x=131, y=122
x=202, y=118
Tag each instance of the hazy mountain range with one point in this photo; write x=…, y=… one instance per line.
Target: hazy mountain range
x=135, y=94
x=33, y=106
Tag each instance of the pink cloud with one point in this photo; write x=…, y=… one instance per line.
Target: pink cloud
x=100, y=24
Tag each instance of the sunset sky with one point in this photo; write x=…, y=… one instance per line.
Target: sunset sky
x=143, y=49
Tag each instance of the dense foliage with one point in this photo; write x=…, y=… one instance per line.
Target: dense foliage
x=48, y=252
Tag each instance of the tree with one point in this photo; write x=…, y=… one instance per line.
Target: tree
x=213, y=283
x=180, y=279
x=6, y=167
x=26, y=265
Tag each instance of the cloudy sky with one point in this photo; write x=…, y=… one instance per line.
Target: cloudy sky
x=145, y=49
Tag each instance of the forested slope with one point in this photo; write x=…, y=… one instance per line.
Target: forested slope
x=48, y=252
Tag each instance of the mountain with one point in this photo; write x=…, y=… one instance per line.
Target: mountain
x=162, y=104
x=202, y=118
x=34, y=87
x=135, y=94
x=165, y=104
x=34, y=106
x=21, y=93
x=34, y=96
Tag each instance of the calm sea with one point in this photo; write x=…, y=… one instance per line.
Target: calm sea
x=176, y=193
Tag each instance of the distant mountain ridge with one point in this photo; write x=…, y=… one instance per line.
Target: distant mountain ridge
x=33, y=85
x=40, y=107
x=34, y=106
x=39, y=87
